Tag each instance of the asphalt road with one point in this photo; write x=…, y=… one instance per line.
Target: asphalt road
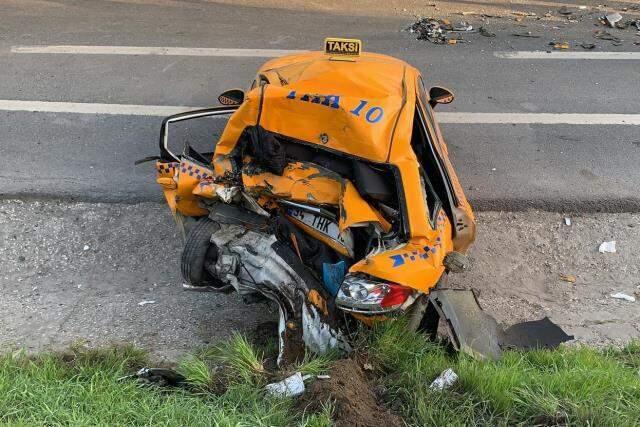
x=587, y=167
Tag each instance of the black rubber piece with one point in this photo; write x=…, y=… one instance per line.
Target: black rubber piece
x=198, y=250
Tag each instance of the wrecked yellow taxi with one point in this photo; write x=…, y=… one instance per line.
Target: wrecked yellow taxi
x=329, y=192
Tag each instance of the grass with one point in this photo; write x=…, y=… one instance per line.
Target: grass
x=573, y=386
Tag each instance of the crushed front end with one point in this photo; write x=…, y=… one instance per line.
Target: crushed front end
x=329, y=193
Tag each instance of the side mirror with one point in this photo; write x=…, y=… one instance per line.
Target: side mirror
x=231, y=97
x=440, y=95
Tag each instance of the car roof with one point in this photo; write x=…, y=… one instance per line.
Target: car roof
x=354, y=105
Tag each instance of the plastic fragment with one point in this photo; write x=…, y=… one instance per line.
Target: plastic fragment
x=568, y=278
x=622, y=295
x=607, y=247
x=445, y=380
x=612, y=18
x=145, y=302
x=567, y=221
x=289, y=387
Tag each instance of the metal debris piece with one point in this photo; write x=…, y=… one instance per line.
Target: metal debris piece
x=462, y=26
x=564, y=10
x=622, y=295
x=568, y=278
x=605, y=35
x=587, y=46
x=445, y=380
x=158, y=376
x=612, y=18
x=485, y=32
x=289, y=387
x=527, y=34
x=473, y=331
x=607, y=247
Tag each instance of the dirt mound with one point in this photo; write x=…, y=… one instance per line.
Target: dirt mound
x=352, y=395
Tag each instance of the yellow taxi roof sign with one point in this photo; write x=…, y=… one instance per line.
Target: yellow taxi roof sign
x=342, y=47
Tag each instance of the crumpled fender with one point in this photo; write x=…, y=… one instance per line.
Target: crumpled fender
x=416, y=264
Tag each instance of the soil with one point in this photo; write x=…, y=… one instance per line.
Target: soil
x=352, y=395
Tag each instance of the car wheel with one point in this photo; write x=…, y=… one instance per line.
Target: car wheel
x=198, y=250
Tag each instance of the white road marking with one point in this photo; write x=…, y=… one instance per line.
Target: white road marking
x=443, y=117
x=540, y=118
x=538, y=54
x=91, y=108
x=151, y=50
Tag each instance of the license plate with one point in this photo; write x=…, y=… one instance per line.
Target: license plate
x=324, y=226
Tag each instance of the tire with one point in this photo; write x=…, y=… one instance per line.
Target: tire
x=197, y=250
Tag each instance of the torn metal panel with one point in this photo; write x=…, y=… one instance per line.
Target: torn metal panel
x=299, y=182
x=473, y=331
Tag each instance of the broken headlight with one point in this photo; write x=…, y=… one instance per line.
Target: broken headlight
x=359, y=294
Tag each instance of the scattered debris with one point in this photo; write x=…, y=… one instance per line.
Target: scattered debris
x=158, y=376
x=559, y=45
x=568, y=278
x=519, y=13
x=289, y=387
x=612, y=18
x=527, y=34
x=431, y=29
x=587, y=46
x=605, y=35
x=445, y=380
x=607, y=247
x=622, y=295
x=145, y=302
x=435, y=30
x=367, y=367
x=85, y=248
x=485, y=32
x=323, y=377
x=564, y=10
x=567, y=221
x=462, y=26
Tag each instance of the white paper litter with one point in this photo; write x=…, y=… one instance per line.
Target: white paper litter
x=445, y=380
x=567, y=221
x=622, y=295
x=609, y=247
x=289, y=387
x=145, y=302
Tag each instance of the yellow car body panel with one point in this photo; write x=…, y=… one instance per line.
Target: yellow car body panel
x=362, y=108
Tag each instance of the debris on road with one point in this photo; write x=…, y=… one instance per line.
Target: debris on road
x=559, y=45
x=622, y=295
x=607, y=247
x=587, y=46
x=568, y=278
x=291, y=386
x=85, y=248
x=612, y=19
x=445, y=380
x=567, y=221
x=162, y=377
x=605, y=35
x=527, y=34
x=436, y=30
x=145, y=302
x=485, y=32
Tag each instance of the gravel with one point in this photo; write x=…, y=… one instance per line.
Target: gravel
x=83, y=272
